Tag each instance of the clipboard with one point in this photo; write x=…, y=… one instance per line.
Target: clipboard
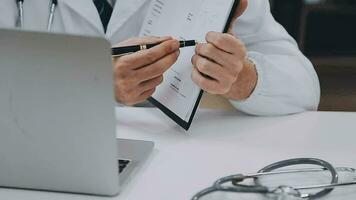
x=181, y=122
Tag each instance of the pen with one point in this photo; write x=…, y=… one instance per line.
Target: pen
x=121, y=51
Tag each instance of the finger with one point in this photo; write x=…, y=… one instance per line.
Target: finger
x=126, y=96
x=210, y=68
x=205, y=84
x=224, y=41
x=213, y=53
x=145, y=95
x=150, y=84
x=230, y=62
x=149, y=56
x=158, y=68
x=238, y=12
x=240, y=9
x=143, y=40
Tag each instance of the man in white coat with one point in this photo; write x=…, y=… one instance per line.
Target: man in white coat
x=257, y=67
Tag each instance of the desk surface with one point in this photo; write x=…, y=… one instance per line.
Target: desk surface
x=221, y=143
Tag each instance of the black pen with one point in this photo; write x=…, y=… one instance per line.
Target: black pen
x=121, y=51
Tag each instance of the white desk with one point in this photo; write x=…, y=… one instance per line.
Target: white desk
x=222, y=143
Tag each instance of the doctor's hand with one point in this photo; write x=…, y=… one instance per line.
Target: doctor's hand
x=137, y=75
x=221, y=65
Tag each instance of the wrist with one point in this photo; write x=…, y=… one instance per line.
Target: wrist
x=245, y=83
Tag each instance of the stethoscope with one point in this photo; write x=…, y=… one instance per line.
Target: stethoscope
x=21, y=19
x=234, y=184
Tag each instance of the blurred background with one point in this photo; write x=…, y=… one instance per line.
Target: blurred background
x=326, y=32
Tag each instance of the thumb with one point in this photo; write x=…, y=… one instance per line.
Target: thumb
x=238, y=12
x=241, y=8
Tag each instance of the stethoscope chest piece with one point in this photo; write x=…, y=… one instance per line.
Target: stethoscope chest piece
x=285, y=193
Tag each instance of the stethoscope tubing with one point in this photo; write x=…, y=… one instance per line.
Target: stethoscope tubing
x=21, y=19
x=273, y=170
x=305, y=161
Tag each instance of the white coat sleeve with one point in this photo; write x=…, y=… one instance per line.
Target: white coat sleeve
x=287, y=81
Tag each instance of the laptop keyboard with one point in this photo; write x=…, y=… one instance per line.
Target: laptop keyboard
x=123, y=164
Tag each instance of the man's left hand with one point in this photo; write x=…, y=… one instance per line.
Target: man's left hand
x=221, y=65
x=218, y=62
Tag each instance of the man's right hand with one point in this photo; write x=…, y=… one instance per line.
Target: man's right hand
x=137, y=75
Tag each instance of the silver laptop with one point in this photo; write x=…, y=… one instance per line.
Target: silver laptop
x=57, y=116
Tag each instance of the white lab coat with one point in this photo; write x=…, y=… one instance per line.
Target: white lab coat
x=287, y=82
